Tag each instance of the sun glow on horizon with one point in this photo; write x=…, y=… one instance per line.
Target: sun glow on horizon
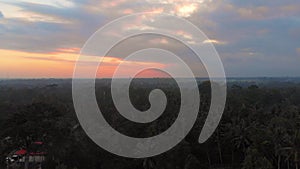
x=60, y=64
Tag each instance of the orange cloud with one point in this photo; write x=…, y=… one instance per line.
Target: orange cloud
x=107, y=71
x=110, y=64
x=298, y=51
x=152, y=73
x=66, y=50
x=128, y=11
x=19, y=64
x=114, y=3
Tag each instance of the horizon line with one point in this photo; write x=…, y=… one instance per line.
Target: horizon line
x=229, y=77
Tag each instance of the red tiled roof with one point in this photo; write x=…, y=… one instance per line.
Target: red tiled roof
x=21, y=152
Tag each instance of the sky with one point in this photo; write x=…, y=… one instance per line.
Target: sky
x=42, y=39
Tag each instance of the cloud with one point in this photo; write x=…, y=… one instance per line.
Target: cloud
x=37, y=37
x=41, y=34
x=66, y=50
x=269, y=28
x=56, y=24
x=298, y=51
x=135, y=27
x=253, y=13
x=186, y=10
x=292, y=9
x=1, y=15
x=20, y=11
x=214, y=41
x=184, y=34
x=254, y=10
x=159, y=41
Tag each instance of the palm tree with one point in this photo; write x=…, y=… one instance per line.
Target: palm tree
x=149, y=163
x=293, y=150
x=191, y=162
x=239, y=134
x=255, y=160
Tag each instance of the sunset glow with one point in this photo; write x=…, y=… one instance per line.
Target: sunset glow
x=42, y=39
x=61, y=65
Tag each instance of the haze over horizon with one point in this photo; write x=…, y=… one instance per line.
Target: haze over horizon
x=253, y=38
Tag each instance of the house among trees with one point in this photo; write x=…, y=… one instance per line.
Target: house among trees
x=34, y=158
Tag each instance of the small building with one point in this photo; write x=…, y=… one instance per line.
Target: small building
x=17, y=158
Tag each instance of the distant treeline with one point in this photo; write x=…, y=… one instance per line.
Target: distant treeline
x=260, y=128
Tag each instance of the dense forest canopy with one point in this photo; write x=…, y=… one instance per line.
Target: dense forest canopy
x=260, y=128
